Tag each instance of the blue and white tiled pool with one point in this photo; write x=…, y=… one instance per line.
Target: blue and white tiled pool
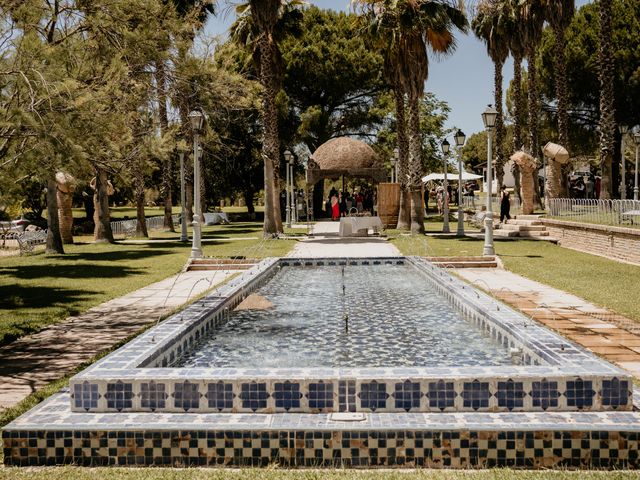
x=359, y=362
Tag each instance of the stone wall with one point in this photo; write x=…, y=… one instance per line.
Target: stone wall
x=617, y=243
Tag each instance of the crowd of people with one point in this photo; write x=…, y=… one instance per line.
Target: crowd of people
x=340, y=204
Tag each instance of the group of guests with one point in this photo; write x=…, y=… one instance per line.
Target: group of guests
x=340, y=204
x=584, y=186
x=439, y=195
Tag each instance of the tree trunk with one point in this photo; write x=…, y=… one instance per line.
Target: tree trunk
x=165, y=190
x=54, y=239
x=101, y=217
x=271, y=143
x=554, y=181
x=65, y=215
x=518, y=107
x=415, y=167
x=528, y=190
x=500, y=130
x=141, y=224
x=404, y=211
x=248, y=200
x=534, y=115
x=607, y=120
x=560, y=77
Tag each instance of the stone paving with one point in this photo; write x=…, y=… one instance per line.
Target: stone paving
x=36, y=360
x=607, y=334
x=327, y=243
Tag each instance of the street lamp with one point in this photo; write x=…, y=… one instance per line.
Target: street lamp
x=489, y=117
x=624, y=129
x=636, y=139
x=196, y=118
x=394, y=162
x=445, y=201
x=287, y=158
x=183, y=201
x=460, y=139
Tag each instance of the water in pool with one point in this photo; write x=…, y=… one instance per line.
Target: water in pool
x=395, y=318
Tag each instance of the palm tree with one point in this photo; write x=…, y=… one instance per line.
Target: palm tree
x=513, y=24
x=383, y=28
x=532, y=16
x=607, y=119
x=489, y=25
x=258, y=22
x=559, y=14
x=420, y=25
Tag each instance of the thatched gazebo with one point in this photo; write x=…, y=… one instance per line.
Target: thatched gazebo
x=344, y=157
x=341, y=157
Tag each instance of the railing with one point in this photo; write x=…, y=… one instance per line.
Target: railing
x=603, y=212
x=128, y=227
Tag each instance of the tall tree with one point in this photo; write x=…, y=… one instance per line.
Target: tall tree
x=422, y=25
x=533, y=16
x=489, y=24
x=259, y=19
x=607, y=121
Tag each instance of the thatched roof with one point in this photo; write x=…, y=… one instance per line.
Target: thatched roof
x=345, y=153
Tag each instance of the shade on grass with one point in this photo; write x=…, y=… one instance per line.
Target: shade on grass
x=604, y=282
x=38, y=290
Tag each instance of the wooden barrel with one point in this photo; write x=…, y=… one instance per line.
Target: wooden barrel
x=388, y=204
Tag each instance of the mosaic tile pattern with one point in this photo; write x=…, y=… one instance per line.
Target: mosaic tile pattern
x=430, y=449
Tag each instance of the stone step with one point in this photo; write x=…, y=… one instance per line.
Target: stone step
x=514, y=221
x=527, y=217
x=524, y=228
x=201, y=268
x=505, y=233
x=468, y=264
x=534, y=233
x=461, y=259
x=223, y=261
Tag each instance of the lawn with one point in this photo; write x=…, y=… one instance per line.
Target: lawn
x=599, y=280
x=38, y=290
x=64, y=473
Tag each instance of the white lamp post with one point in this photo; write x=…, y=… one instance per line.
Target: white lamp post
x=623, y=188
x=294, y=208
x=489, y=119
x=196, y=117
x=636, y=139
x=287, y=160
x=445, y=201
x=183, y=200
x=460, y=139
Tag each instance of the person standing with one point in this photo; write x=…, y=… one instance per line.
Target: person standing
x=335, y=208
x=505, y=204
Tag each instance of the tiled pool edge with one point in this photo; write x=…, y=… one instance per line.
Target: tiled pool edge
x=116, y=384
x=446, y=440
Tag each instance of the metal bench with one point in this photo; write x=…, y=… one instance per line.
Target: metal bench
x=27, y=241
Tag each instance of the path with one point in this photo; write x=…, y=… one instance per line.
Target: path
x=33, y=361
x=327, y=243
x=611, y=336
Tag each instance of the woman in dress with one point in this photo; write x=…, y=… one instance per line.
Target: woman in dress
x=335, y=208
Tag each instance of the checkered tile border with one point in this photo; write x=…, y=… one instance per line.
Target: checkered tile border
x=430, y=449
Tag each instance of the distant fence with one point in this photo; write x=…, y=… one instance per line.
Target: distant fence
x=128, y=227
x=602, y=212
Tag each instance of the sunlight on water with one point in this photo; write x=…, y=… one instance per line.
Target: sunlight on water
x=395, y=318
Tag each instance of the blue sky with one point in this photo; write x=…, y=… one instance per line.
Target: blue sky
x=464, y=80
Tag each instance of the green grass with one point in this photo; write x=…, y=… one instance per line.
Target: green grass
x=598, y=280
x=75, y=473
x=39, y=290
